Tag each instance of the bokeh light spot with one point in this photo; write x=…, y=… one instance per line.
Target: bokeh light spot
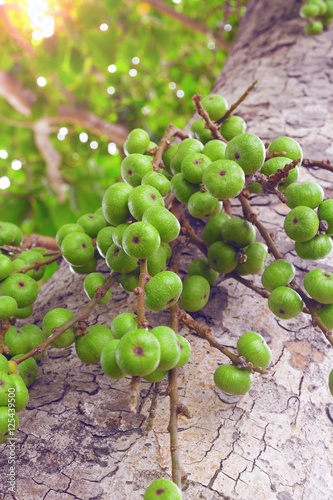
x=16, y=164
x=41, y=81
x=83, y=137
x=4, y=182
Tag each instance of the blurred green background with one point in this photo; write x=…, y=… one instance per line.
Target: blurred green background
x=70, y=68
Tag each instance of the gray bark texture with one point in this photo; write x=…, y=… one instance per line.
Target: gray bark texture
x=77, y=437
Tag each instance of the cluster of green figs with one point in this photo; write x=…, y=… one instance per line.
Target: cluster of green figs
x=318, y=13
x=136, y=223
x=14, y=397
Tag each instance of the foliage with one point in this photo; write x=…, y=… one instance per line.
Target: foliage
x=167, y=56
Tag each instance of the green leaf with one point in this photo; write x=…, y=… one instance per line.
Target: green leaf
x=14, y=210
x=62, y=214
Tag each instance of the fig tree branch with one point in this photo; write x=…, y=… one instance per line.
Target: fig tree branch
x=206, y=333
x=209, y=124
x=252, y=217
x=237, y=103
x=324, y=164
x=178, y=211
x=227, y=207
x=22, y=100
x=267, y=186
x=51, y=156
x=18, y=96
x=15, y=123
x=38, y=240
x=170, y=132
x=271, y=184
x=13, y=32
x=80, y=315
x=93, y=123
x=274, y=154
x=173, y=428
x=142, y=323
x=188, y=22
x=282, y=173
x=249, y=284
x=316, y=321
x=39, y=263
x=140, y=292
x=153, y=406
x=174, y=411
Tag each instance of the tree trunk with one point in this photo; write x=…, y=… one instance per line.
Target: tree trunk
x=77, y=439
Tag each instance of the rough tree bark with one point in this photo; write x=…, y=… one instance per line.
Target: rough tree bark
x=77, y=439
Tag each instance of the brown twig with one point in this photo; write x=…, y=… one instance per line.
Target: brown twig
x=316, y=321
x=176, y=247
x=206, y=333
x=227, y=11
x=267, y=186
x=174, y=404
x=51, y=155
x=153, y=406
x=212, y=11
x=38, y=240
x=209, y=124
x=274, y=154
x=173, y=428
x=14, y=32
x=169, y=199
x=15, y=123
x=249, y=284
x=271, y=183
x=174, y=321
x=142, y=323
x=252, y=217
x=227, y=207
x=4, y=325
x=188, y=230
x=140, y=292
x=39, y=263
x=325, y=164
x=178, y=211
x=170, y=132
x=80, y=315
x=282, y=173
x=237, y=103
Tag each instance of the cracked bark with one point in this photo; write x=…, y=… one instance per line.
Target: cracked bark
x=77, y=439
